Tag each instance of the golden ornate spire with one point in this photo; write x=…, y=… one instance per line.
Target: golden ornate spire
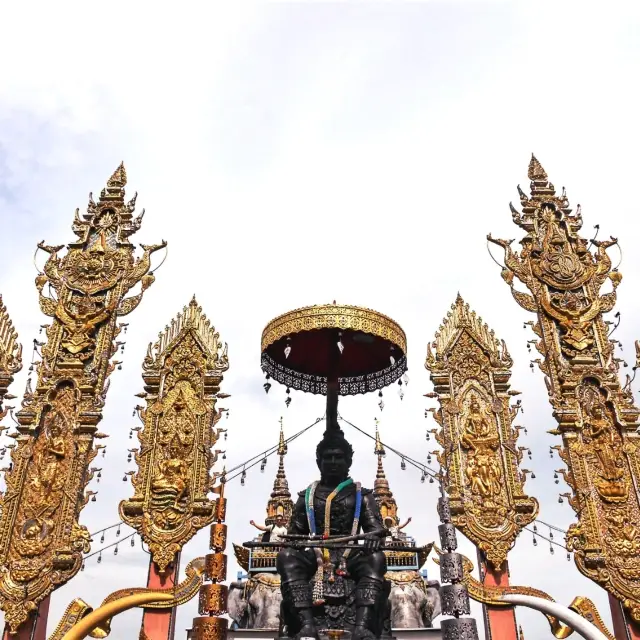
x=41, y=540
x=559, y=275
x=381, y=490
x=182, y=373
x=280, y=502
x=470, y=371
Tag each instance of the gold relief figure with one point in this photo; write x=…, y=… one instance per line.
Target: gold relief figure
x=168, y=492
x=483, y=469
x=600, y=431
x=574, y=318
x=47, y=476
x=80, y=325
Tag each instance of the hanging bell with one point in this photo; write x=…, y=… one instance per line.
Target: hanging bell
x=381, y=404
x=422, y=478
x=287, y=349
x=124, y=478
x=340, y=345
x=266, y=386
x=100, y=558
x=287, y=401
x=93, y=498
x=133, y=541
x=401, y=393
x=82, y=567
x=555, y=477
x=431, y=480
x=535, y=542
x=560, y=500
x=551, y=551
x=118, y=530
x=102, y=539
x=115, y=551
x=405, y=379
x=403, y=465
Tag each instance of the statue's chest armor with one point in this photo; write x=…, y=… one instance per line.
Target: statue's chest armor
x=342, y=513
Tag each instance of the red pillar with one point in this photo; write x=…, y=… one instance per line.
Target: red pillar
x=623, y=627
x=499, y=622
x=35, y=628
x=159, y=624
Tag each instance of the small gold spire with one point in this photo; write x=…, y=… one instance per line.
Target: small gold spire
x=280, y=502
x=381, y=491
x=282, y=445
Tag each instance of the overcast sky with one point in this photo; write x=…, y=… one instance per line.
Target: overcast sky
x=293, y=154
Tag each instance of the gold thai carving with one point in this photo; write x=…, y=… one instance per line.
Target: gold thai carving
x=491, y=595
x=216, y=566
x=41, y=541
x=596, y=415
x=10, y=356
x=213, y=599
x=210, y=628
x=182, y=373
x=470, y=370
x=218, y=537
x=182, y=592
x=242, y=556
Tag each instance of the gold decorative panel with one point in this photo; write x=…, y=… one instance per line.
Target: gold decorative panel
x=564, y=274
x=470, y=371
x=10, y=355
x=83, y=292
x=182, y=373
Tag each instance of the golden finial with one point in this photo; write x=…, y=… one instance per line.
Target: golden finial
x=119, y=177
x=536, y=172
x=282, y=445
x=379, y=448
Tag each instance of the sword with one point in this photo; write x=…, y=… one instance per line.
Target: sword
x=313, y=544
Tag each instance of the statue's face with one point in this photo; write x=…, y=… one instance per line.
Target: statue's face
x=334, y=465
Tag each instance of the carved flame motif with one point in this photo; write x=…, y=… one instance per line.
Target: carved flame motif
x=41, y=542
x=470, y=371
x=597, y=418
x=182, y=374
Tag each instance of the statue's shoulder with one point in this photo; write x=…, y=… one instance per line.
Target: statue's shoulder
x=366, y=492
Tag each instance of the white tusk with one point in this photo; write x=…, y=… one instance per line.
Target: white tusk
x=572, y=619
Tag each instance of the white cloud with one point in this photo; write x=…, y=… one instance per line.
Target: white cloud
x=293, y=154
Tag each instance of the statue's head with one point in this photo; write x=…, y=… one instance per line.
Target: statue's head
x=334, y=456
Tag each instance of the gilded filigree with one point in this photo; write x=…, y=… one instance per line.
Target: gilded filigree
x=596, y=416
x=182, y=374
x=41, y=541
x=470, y=372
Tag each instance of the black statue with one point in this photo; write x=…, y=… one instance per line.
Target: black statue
x=353, y=510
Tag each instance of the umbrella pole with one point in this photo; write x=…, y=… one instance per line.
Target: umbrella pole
x=333, y=386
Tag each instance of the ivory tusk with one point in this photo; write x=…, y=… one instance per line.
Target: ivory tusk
x=85, y=626
x=570, y=618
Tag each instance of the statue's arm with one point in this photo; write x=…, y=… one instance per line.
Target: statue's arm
x=370, y=518
x=299, y=524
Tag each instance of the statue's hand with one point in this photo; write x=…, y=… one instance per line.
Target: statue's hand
x=372, y=542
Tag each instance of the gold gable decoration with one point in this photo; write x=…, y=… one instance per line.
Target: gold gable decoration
x=470, y=371
x=596, y=415
x=84, y=293
x=10, y=356
x=182, y=373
